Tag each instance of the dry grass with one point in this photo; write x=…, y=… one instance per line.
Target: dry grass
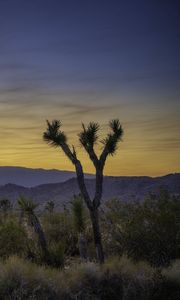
x=118, y=279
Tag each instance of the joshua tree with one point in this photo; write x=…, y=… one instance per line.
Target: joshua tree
x=49, y=206
x=88, y=138
x=5, y=207
x=79, y=224
x=27, y=207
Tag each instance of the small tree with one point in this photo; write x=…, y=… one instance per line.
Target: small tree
x=79, y=224
x=5, y=207
x=88, y=138
x=27, y=206
x=146, y=230
x=50, y=206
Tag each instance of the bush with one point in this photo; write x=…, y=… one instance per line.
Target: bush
x=145, y=231
x=58, y=227
x=13, y=239
x=118, y=279
x=140, y=281
x=21, y=280
x=56, y=251
x=171, y=282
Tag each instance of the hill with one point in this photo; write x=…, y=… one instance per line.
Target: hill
x=125, y=188
x=28, y=177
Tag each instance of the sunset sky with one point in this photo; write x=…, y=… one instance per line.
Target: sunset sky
x=81, y=61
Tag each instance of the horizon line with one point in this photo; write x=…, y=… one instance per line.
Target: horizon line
x=71, y=171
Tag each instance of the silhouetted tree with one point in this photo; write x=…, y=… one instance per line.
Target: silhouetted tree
x=88, y=138
x=27, y=206
x=5, y=206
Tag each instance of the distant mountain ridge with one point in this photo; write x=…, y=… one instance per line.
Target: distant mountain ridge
x=28, y=177
x=123, y=187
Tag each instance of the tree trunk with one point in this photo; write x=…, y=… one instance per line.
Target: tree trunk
x=94, y=214
x=82, y=242
x=41, y=237
x=92, y=206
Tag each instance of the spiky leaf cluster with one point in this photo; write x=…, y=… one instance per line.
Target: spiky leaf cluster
x=110, y=144
x=53, y=135
x=111, y=141
x=50, y=206
x=27, y=205
x=88, y=136
x=5, y=205
x=116, y=127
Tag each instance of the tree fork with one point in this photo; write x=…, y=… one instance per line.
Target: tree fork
x=88, y=138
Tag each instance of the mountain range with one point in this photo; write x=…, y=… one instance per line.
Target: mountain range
x=28, y=177
x=63, y=185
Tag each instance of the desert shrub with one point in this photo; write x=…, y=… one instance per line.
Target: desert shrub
x=56, y=251
x=112, y=222
x=172, y=273
x=62, y=227
x=58, y=227
x=33, y=252
x=145, y=231
x=118, y=279
x=21, y=280
x=89, y=281
x=79, y=222
x=5, y=207
x=13, y=239
x=139, y=280
x=171, y=282
x=78, y=213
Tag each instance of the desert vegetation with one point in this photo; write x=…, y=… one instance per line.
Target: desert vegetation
x=141, y=242
x=88, y=137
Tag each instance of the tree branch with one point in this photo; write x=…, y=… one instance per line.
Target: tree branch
x=79, y=172
x=81, y=183
x=111, y=141
x=68, y=152
x=88, y=137
x=99, y=189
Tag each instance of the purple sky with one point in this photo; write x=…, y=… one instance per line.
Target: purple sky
x=84, y=60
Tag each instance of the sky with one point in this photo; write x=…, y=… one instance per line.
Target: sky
x=82, y=61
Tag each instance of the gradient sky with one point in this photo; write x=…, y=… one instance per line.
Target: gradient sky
x=82, y=61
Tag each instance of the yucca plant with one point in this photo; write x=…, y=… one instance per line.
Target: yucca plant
x=27, y=208
x=50, y=206
x=5, y=207
x=88, y=137
x=78, y=212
